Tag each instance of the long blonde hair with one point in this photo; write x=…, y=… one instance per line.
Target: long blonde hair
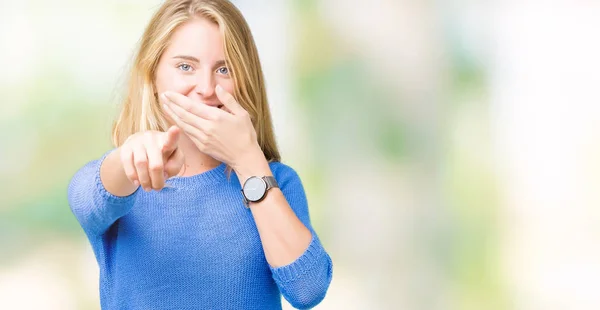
x=141, y=110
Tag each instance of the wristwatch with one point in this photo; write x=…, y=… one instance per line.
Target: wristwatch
x=255, y=188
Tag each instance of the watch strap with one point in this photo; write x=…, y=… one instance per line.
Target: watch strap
x=271, y=182
x=246, y=201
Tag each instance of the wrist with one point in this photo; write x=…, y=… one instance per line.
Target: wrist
x=252, y=163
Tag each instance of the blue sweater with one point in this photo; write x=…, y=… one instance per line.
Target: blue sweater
x=193, y=246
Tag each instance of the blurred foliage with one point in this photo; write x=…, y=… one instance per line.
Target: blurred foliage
x=57, y=121
x=60, y=125
x=344, y=107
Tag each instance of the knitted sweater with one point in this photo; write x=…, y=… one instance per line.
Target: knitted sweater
x=193, y=245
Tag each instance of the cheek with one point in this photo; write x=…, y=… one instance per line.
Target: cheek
x=227, y=85
x=169, y=79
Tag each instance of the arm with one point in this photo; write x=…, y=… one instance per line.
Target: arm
x=93, y=205
x=300, y=265
x=113, y=175
x=104, y=190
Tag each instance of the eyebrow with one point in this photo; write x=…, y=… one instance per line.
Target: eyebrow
x=186, y=57
x=194, y=59
x=220, y=63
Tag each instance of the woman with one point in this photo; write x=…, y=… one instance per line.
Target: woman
x=219, y=222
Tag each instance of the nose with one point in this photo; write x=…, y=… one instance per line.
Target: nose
x=205, y=85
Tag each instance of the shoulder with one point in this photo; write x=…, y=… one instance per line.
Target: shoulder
x=292, y=188
x=284, y=174
x=279, y=168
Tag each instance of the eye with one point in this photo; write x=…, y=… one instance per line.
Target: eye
x=185, y=67
x=223, y=70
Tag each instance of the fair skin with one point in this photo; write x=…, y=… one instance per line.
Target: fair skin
x=210, y=127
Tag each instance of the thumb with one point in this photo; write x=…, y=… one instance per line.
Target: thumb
x=171, y=140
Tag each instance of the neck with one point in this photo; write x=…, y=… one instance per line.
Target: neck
x=196, y=162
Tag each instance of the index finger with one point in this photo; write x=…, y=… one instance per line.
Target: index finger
x=171, y=140
x=188, y=105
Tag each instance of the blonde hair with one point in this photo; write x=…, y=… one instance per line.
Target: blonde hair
x=141, y=110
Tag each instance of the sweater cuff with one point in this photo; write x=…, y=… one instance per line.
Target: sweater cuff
x=104, y=194
x=311, y=257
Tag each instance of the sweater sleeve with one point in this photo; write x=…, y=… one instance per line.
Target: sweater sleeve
x=94, y=207
x=305, y=281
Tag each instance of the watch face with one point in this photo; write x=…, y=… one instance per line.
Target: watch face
x=255, y=188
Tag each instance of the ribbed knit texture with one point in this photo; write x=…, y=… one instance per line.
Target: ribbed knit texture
x=193, y=246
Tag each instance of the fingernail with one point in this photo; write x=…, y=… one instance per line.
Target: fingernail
x=136, y=183
x=219, y=88
x=166, y=175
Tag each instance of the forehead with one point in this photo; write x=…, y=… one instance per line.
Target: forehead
x=198, y=37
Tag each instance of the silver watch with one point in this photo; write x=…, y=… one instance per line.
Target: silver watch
x=255, y=188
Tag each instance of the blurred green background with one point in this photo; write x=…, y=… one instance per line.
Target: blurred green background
x=449, y=149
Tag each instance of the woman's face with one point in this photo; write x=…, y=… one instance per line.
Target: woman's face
x=194, y=63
